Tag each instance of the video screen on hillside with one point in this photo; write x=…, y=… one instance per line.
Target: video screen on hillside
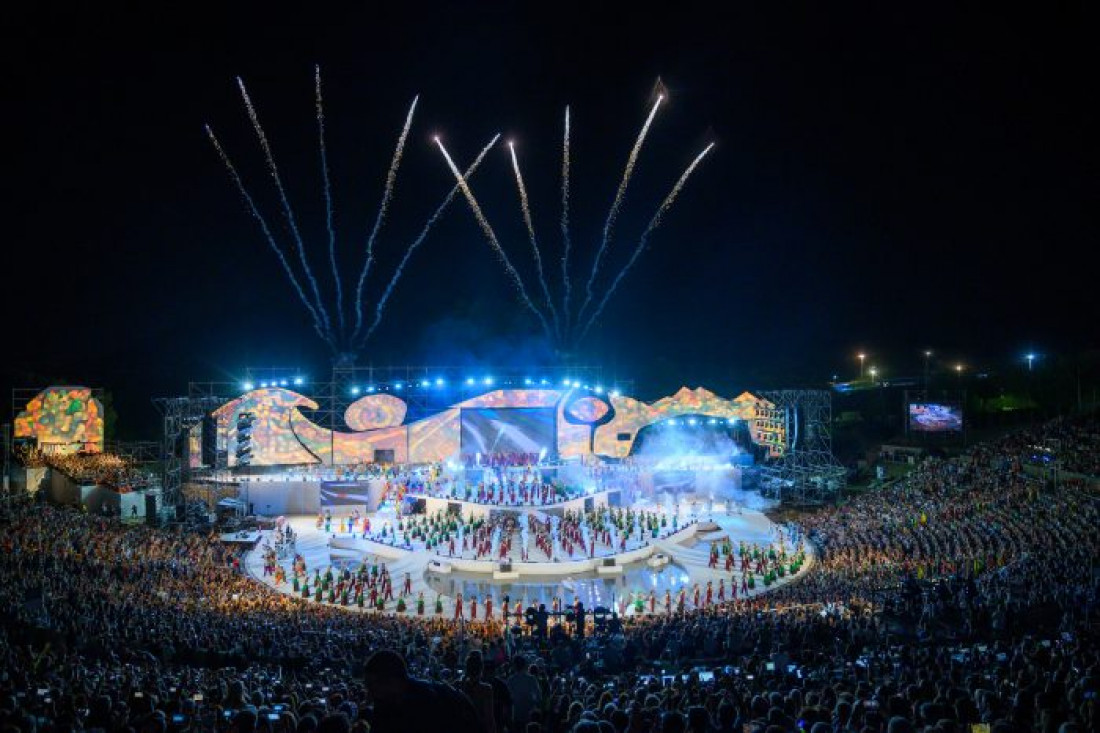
x=509, y=430
x=931, y=417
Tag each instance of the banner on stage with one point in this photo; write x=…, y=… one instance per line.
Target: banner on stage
x=345, y=493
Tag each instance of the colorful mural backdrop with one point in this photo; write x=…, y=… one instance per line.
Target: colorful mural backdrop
x=63, y=420
x=375, y=411
x=273, y=442
x=617, y=437
x=283, y=435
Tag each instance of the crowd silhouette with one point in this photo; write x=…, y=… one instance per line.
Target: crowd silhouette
x=961, y=598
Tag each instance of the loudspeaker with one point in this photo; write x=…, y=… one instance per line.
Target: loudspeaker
x=150, y=509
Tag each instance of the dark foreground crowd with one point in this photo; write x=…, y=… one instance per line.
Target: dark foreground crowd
x=961, y=599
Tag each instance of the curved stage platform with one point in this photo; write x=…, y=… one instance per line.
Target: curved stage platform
x=676, y=562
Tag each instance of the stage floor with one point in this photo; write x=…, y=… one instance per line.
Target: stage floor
x=688, y=553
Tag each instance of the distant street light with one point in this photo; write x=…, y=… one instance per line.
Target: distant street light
x=1030, y=360
x=927, y=375
x=873, y=373
x=861, y=358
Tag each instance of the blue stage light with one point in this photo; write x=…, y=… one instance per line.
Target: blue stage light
x=397, y=385
x=613, y=393
x=371, y=388
x=263, y=385
x=439, y=381
x=298, y=381
x=355, y=390
x=527, y=381
x=565, y=382
x=487, y=380
x=599, y=389
x=691, y=421
x=248, y=386
x=544, y=381
x=425, y=383
x=469, y=380
x=712, y=421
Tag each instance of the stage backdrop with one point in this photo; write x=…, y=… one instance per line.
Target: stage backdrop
x=569, y=423
x=63, y=420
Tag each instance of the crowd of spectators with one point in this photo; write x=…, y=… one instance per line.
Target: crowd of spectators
x=1073, y=442
x=961, y=598
x=101, y=469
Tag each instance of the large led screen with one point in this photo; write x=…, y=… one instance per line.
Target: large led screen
x=508, y=430
x=930, y=417
x=63, y=420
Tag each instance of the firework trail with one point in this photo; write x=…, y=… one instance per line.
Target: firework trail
x=565, y=222
x=644, y=239
x=423, y=235
x=287, y=210
x=387, y=196
x=491, y=236
x=526, y=206
x=328, y=199
x=631, y=161
x=266, y=231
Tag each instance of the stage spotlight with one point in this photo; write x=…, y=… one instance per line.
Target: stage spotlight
x=397, y=385
x=487, y=381
x=527, y=381
x=371, y=388
x=355, y=390
x=298, y=381
x=263, y=385
x=439, y=382
x=282, y=383
x=425, y=383
x=613, y=393
x=691, y=421
x=248, y=386
x=469, y=380
x=599, y=389
x=565, y=382
x=712, y=421
x=544, y=381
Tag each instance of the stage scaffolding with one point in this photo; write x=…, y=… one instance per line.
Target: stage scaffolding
x=180, y=415
x=808, y=472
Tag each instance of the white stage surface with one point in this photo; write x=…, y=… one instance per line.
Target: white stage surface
x=606, y=579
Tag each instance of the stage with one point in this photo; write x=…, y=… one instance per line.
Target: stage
x=611, y=578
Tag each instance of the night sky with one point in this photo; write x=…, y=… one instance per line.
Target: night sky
x=890, y=180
